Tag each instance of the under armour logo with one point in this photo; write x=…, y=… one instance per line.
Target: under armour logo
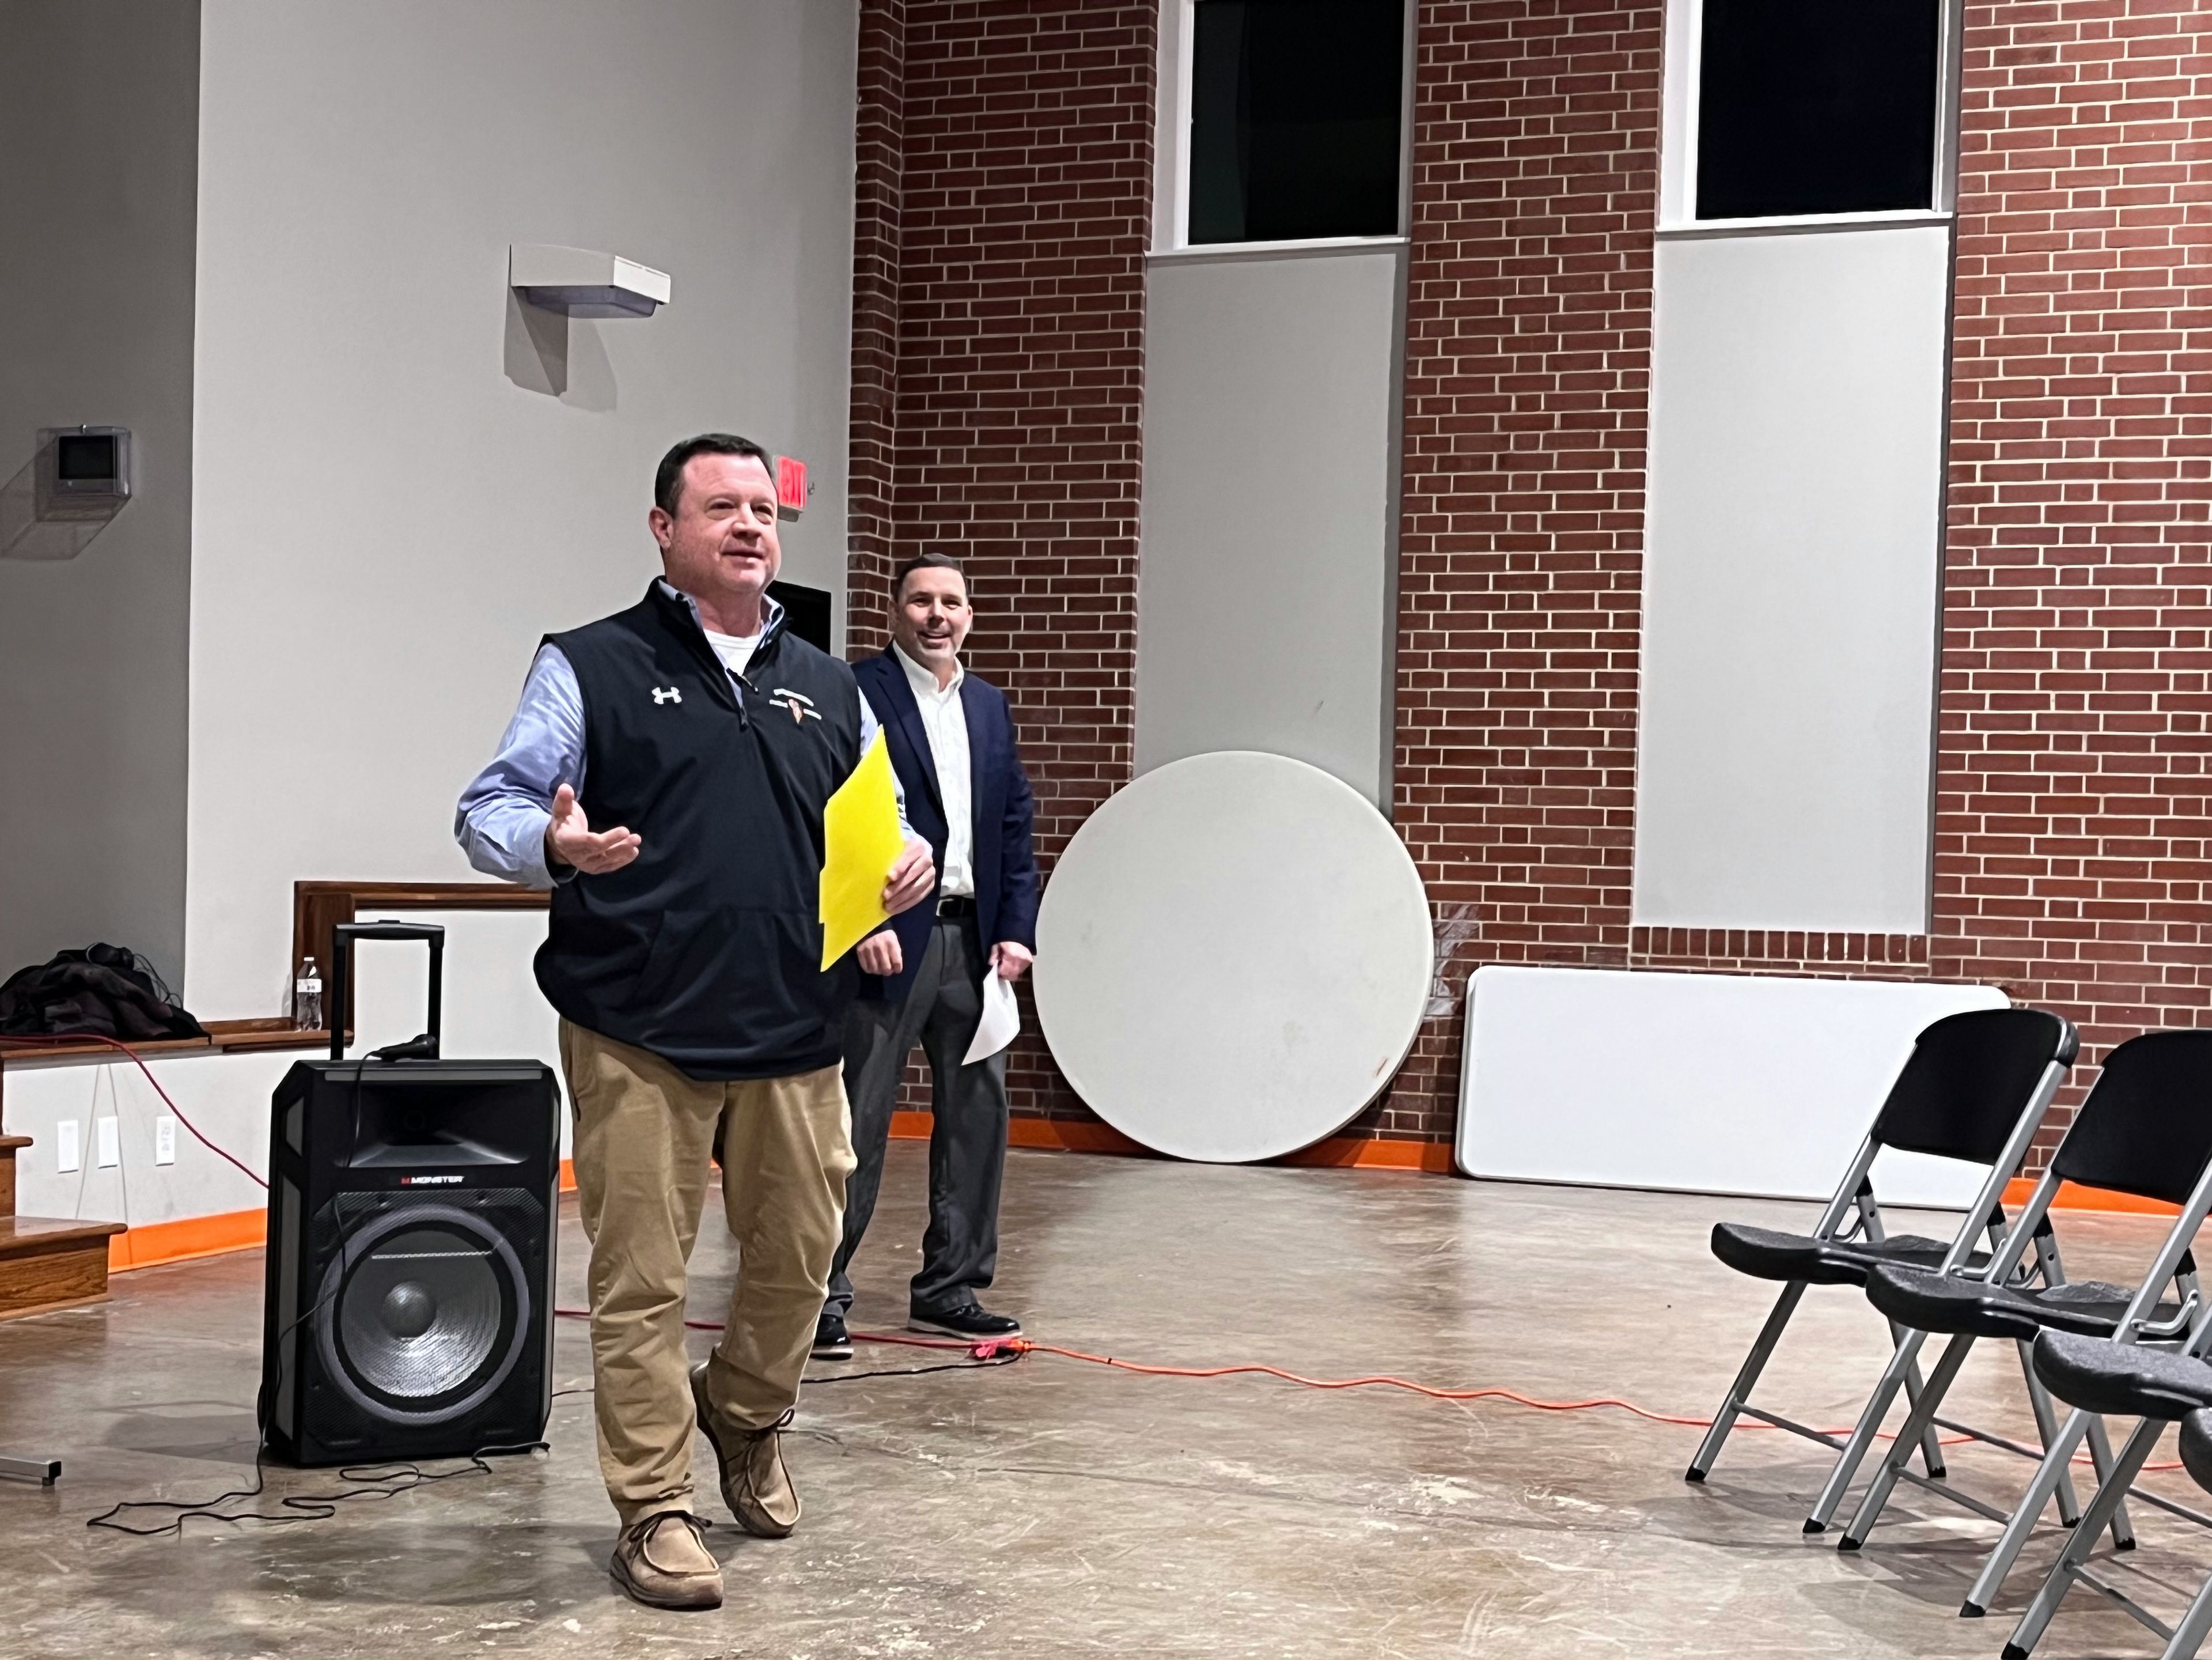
x=667, y=695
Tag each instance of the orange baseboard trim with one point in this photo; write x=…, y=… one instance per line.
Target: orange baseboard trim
x=152, y=1244
x=1075, y=1135
x=1360, y=1152
x=2071, y=1197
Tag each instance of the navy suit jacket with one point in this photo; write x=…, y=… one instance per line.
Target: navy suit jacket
x=999, y=800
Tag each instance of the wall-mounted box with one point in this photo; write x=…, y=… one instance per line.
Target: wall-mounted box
x=83, y=472
x=584, y=283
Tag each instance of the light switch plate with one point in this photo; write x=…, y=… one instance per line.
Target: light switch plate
x=66, y=1156
x=165, y=1140
x=109, y=1139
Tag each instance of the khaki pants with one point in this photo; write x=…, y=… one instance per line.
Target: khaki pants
x=644, y=1131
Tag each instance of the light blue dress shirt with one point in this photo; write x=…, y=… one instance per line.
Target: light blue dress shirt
x=501, y=818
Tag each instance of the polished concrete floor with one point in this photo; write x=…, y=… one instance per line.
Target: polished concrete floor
x=1052, y=1508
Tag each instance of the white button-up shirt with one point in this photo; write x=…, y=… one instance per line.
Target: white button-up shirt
x=946, y=724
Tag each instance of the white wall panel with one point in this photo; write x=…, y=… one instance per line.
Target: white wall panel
x=403, y=479
x=1791, y=580
x=1707, y=1083
x=1264, y=590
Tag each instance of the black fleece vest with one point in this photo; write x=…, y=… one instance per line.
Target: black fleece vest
x=706, y=949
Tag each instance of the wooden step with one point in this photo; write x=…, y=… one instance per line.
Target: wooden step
x=8, y=1144
x=47, y=1263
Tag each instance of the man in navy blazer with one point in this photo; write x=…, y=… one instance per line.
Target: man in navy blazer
x=952, y=742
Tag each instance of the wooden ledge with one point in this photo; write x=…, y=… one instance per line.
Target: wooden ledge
x=19, y=1234
x=225, y=1036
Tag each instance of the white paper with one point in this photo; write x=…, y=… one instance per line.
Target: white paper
x=1002, y=1019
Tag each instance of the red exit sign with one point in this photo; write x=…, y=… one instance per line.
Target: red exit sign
x=790, y=487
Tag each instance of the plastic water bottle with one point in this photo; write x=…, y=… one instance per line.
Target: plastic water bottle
x=307, y=998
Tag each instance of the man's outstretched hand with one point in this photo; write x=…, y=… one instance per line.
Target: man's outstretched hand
x=569, y=839
x=911, y=878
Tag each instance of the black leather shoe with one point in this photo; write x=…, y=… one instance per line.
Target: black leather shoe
x=970, y=1321
x=831, y=1340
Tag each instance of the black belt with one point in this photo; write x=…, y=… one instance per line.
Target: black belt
x=959, y=905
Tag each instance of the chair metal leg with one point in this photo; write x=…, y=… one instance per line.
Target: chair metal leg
x=2083, y=1540
x=2046, y=1426
x=1903, y=1371
x=2100, y=1457
x=1747, y=1376
x=1931, y=1443
x=2026, y=1514
x=1916, y=1424
x=2189, y=1635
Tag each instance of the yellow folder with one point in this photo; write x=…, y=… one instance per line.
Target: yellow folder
x=861, y=842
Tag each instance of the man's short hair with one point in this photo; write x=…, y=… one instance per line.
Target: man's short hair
x=668, y=482
x=926, y=561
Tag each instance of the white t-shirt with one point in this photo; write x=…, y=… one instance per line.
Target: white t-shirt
x=736, y=650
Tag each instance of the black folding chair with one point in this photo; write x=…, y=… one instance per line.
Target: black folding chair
x=1975, y=1087
x=2145, y=1130
x=2115, y=1377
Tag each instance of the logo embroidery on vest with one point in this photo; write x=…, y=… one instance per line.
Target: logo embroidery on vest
x=800, y=705
x=667, y=695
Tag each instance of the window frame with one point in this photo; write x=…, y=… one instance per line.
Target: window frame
x=1678, y=143
x=1178, y=34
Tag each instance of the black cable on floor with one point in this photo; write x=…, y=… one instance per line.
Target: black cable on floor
x=368, y=1482
x=917, y=1372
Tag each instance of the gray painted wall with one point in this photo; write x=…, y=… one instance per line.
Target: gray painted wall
x=99, y=113
x=1265, y=592
x=403, y=480
x=1784, y=760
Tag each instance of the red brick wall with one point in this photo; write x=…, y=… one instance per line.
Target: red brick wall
x=879, y=164
x=2071, y=832
x=1535, y=186
x=1022, y=215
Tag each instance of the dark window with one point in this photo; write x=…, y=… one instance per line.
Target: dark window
x=1816, y=107
x=1294, y=120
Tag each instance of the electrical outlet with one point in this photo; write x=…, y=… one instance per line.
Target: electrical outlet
x=108, y=1138
x=65, y=1148
x=165, y=1140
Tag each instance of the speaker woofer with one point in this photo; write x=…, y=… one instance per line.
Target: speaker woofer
x=421, y=1314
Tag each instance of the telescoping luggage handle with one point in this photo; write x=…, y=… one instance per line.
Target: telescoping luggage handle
x=342, y=937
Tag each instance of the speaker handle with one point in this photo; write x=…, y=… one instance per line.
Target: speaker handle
x=343, y=934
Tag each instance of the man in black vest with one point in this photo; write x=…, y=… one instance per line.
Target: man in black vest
x=951, y=741
x=683, y=957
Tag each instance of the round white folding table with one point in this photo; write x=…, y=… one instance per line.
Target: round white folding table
x=1233, y=957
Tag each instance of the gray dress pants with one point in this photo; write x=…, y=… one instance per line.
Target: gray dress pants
x=968, y=1139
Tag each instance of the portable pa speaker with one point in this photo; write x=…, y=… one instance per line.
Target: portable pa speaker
x=412, y=1204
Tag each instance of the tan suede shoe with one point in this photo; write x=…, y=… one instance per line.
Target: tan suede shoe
x=755, y=1484
x=663, y=1561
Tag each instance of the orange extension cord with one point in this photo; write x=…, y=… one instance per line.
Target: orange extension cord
x=993, y=1349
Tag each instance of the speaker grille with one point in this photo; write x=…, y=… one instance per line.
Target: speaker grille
x=423, y=1312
